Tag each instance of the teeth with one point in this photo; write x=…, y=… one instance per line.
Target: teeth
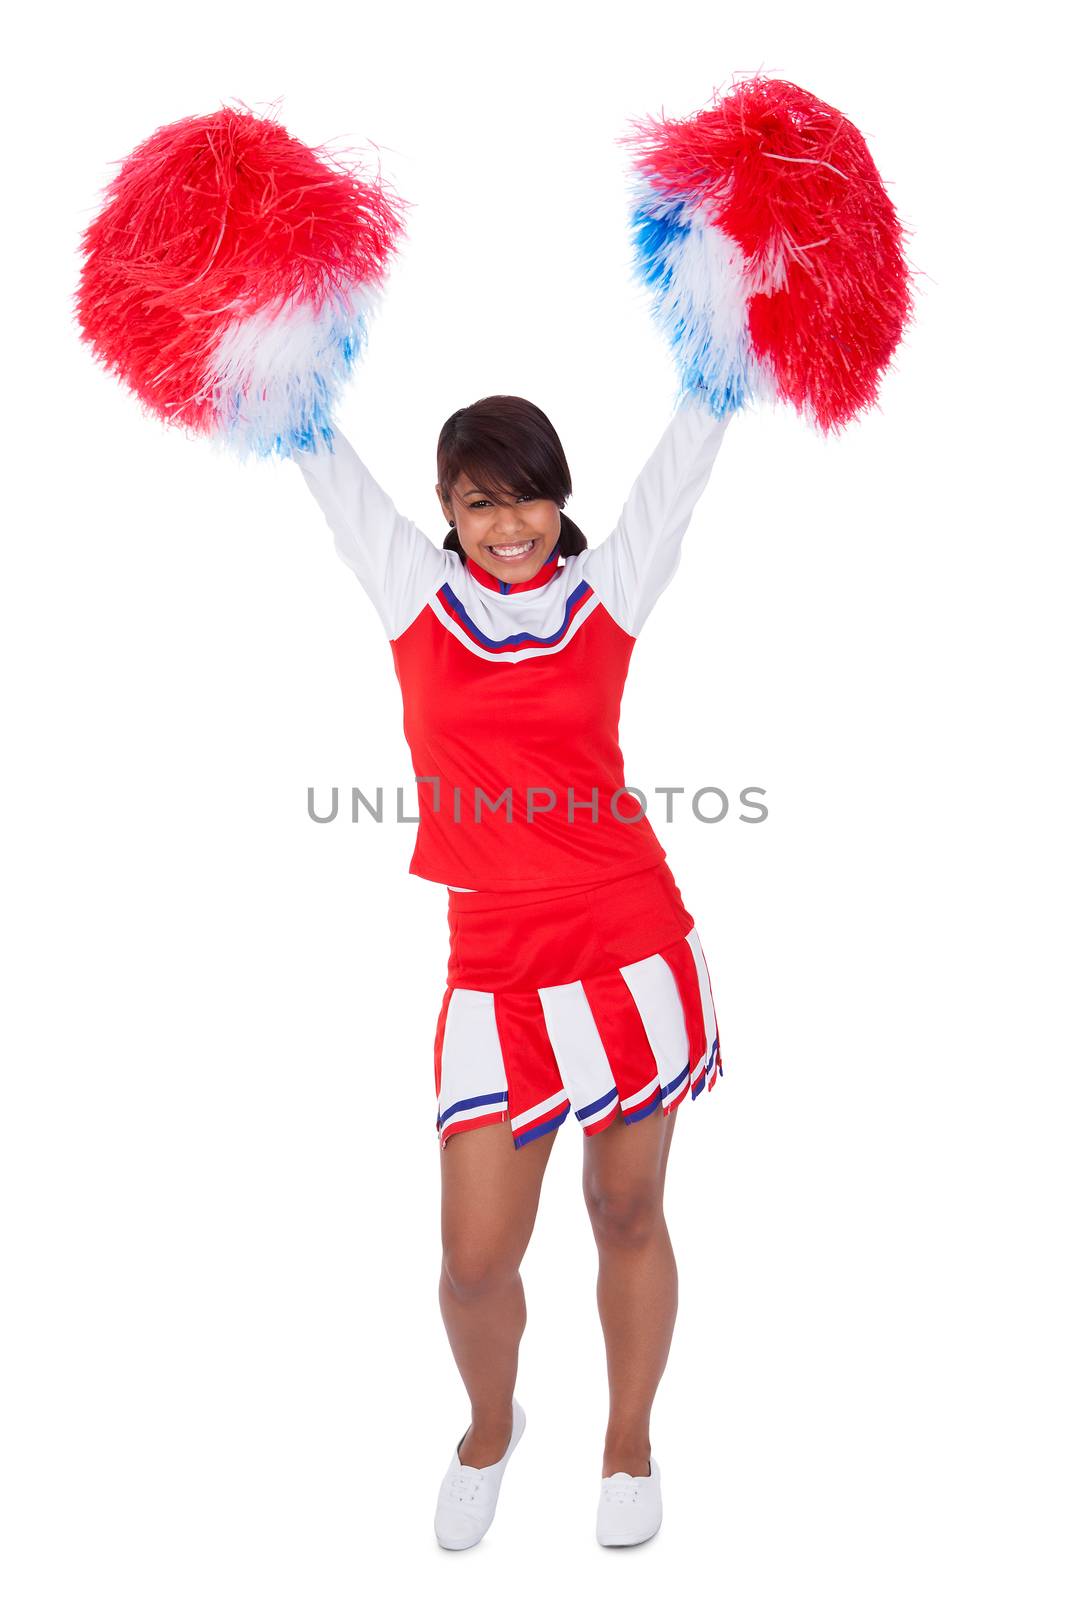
x=511, y=549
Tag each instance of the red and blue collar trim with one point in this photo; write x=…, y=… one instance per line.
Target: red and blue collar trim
x=549, y=567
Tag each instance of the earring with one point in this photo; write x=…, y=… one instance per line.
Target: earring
x=451, y=524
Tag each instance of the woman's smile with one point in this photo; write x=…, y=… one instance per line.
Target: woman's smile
x=511, y=552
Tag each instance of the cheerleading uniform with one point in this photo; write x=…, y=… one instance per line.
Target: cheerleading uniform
x=575, y=976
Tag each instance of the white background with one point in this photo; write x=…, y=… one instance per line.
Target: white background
x=225, y=1371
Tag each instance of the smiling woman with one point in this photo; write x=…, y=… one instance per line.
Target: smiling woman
x=502, y=482
x=228, y=280
x=577, y=983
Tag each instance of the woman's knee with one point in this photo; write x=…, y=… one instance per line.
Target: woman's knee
x=474, y=1269
x=627, y=1213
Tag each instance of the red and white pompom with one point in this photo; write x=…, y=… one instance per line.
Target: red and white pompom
x=229, y=277
x=773, y=251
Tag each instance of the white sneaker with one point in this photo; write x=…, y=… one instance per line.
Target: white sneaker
x=466, y=1503
x=631, y=1509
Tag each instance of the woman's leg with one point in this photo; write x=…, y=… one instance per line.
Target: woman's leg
x=489, y=1196
x=637, y=1286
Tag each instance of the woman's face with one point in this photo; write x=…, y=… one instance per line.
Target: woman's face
x=489, y=529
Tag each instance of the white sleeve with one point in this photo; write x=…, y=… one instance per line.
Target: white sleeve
x=398, y=566
x=635, y=563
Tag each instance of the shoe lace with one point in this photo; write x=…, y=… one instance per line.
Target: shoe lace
x=464, y=1483
x=620, y=1489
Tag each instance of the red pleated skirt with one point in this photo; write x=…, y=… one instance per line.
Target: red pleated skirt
x=595, y=999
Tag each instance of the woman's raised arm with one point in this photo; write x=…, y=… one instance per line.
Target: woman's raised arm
x=397, y=564
x=635, y=563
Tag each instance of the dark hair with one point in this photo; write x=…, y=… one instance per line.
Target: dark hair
x=506, y=445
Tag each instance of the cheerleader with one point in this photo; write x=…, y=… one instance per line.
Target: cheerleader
x=228, y=281
x=576, y=979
